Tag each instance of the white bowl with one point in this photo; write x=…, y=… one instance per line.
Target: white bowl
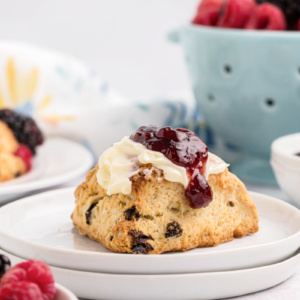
x=286, y=165
x=63, y=293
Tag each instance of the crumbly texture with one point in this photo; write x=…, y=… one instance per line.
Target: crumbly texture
x=156, y=217
x=11, y=166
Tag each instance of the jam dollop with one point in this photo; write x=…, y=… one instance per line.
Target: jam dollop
x=184, y=148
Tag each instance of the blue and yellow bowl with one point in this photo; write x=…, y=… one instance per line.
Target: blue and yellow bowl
x=246, y=83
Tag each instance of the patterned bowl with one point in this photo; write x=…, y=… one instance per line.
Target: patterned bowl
x=247, y=85
x=69, y=99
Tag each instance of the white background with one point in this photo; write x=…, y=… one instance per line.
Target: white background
x=124, y=40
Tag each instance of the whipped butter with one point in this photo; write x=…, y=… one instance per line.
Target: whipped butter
x=123, y=160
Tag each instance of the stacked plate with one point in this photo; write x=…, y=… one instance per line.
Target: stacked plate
x=57, y=161
x=39, y=227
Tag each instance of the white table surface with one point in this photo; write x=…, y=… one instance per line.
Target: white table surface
x=289, y=289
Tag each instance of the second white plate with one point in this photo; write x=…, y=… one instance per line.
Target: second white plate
x=57, y=161
x=212, y=285
x=40, y=227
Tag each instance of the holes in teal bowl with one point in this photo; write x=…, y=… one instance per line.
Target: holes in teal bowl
x=270, y=103
x=227, y=69
x=211, y=99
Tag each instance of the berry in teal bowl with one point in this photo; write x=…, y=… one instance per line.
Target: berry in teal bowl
x=247, y=86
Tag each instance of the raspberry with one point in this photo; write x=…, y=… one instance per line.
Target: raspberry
x=25, y=153
x=208, y=12
x=236, y=13
x=20, y=291
x=290, y=8
x=27, y=279
x=298, y=25
x=25, y=129
x=267, y=17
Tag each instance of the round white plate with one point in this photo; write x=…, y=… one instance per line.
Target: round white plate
x=57, y=161
x=63, y=293
x=211, y=285
x=40, y=227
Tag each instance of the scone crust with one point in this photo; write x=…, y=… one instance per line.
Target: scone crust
x=156, y=215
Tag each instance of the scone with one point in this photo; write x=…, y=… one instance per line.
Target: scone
x=137, y=200
x=11, y=166
x=19, y=137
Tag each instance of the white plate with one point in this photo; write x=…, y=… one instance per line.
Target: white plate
x=63, y=293
x=57, y=161
x=198, y=286
x=40, y=227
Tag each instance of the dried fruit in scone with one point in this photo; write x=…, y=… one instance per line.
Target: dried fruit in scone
x=160, y=190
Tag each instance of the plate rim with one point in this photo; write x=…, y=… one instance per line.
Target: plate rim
x=292, y=257
x=52, y=181
x=171, y=255
x=283, y=269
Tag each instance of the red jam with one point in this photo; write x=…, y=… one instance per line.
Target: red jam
x=184, y=148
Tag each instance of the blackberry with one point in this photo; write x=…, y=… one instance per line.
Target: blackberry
x=4, y=264
x=290, y=8
x=24, y=128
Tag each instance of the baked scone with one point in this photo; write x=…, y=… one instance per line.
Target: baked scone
x=11, y=166
x=8, y=142
x=19, y=137
x=156, y=216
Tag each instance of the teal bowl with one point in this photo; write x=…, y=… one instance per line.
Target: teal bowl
x=246, y=84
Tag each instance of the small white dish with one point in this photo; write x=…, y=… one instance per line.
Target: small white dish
x=211, y=285
x=63, y=293
x=57, y=161
x=286, y=165
x=40, y=227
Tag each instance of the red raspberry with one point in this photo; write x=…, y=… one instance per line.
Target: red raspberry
x=24, y=152
x=208, y=12
x=20, y=291
x=22, y=277
x=236, y=13
x=267, y=17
